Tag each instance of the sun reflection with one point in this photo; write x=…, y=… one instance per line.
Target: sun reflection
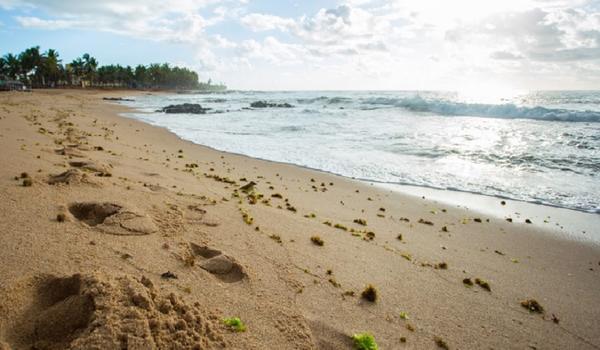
x=489, y=94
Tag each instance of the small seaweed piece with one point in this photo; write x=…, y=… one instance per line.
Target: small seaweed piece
x=441, y=266
x=468, y=282
x=444, y=228
x=403, y=315
x=168, y=274
x=317, y=240
x=362, y=222
x=425, y=222
x=441, y=343
x=235, y=323
x=477, y=220
x=370, y=293
x=527, y=221
x=483, y=284
x=61, y=217
x=399, y=237
x=27, y=182
x=364, y=341
x=532, y=305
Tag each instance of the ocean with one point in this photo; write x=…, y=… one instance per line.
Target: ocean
x=540, y=147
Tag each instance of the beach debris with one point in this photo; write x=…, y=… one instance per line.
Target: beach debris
x=425, y=222
x=444, y=228
x=364, y=341
x=192, y=108
x=276, y=238
x=117, y=99
x=404, y=219
x=477, y=220
x=369, y=293
x=317, y=240
x=555, y=319
x=265, y=104
x=441, y=343
x=509, y=219
x=403, y=339
x=483, y=284
x=24, y=175
x=410, y=327
x=533, y=306
x=249, y=187
x=441, y=266
x=61, y=217
x=503, y=202
x=468, y=282
x=235, y=323
x=27, y=182
x=498, y=252
x=334, y=282
x=168, y=274
x=527, y=221
x=277, y=195
x=399, y=237
x=362, y=222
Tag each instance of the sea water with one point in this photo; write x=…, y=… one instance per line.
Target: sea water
x=541, y=147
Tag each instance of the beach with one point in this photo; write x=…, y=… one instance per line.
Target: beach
x=119, y=234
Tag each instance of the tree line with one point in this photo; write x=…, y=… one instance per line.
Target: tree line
x=45, y=70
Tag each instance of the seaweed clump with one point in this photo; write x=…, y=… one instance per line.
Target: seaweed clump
x=235, y=323
x=317, y=240
x=483, y=284
x=441, y=343
x=362, y=222
x=364, y=341
x=370, y=293
x=532, y=305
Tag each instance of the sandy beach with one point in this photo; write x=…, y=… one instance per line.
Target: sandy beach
x=120, y=235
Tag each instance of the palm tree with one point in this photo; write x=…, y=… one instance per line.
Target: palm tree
x=51, y=67
x=76, y=68
x=13, y=66
x=31, y=60
x=89, y=67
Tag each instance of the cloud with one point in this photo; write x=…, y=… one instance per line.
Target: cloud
x=505, y=55
x=52, y=24
x=259, y=22
x=171, y=20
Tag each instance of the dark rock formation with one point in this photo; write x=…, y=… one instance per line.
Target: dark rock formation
x=192, y=108
x=265, y=104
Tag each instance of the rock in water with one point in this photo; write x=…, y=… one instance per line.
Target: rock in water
x=265, y=104
x=192, y=108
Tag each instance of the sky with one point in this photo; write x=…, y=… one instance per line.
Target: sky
x=328, y=45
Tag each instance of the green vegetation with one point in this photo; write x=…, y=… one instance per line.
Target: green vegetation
x=364, y=341
x=533, y=306
x=317, y=240
x=44, y=70
x=235, y=323
x=362, y=222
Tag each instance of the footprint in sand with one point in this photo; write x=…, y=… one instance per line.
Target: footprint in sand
x=113, y=218
x=105, y=312
x=89, y=166
x=69, y=177
x=221, y=266
x=56, y=314
x=69, y=151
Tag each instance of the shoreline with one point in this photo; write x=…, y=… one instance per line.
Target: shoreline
x=179, y=205
x=556, y=219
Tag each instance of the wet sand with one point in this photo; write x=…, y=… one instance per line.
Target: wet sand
x=122, y=235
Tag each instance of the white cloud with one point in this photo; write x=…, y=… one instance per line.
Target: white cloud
x=259, y=22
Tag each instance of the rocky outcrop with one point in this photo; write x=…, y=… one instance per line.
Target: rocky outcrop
x=192, y=108
x=265, y=104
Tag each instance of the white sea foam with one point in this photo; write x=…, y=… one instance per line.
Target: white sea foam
x=541, y=147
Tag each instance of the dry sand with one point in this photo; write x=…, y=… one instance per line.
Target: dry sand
x=138, y=202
